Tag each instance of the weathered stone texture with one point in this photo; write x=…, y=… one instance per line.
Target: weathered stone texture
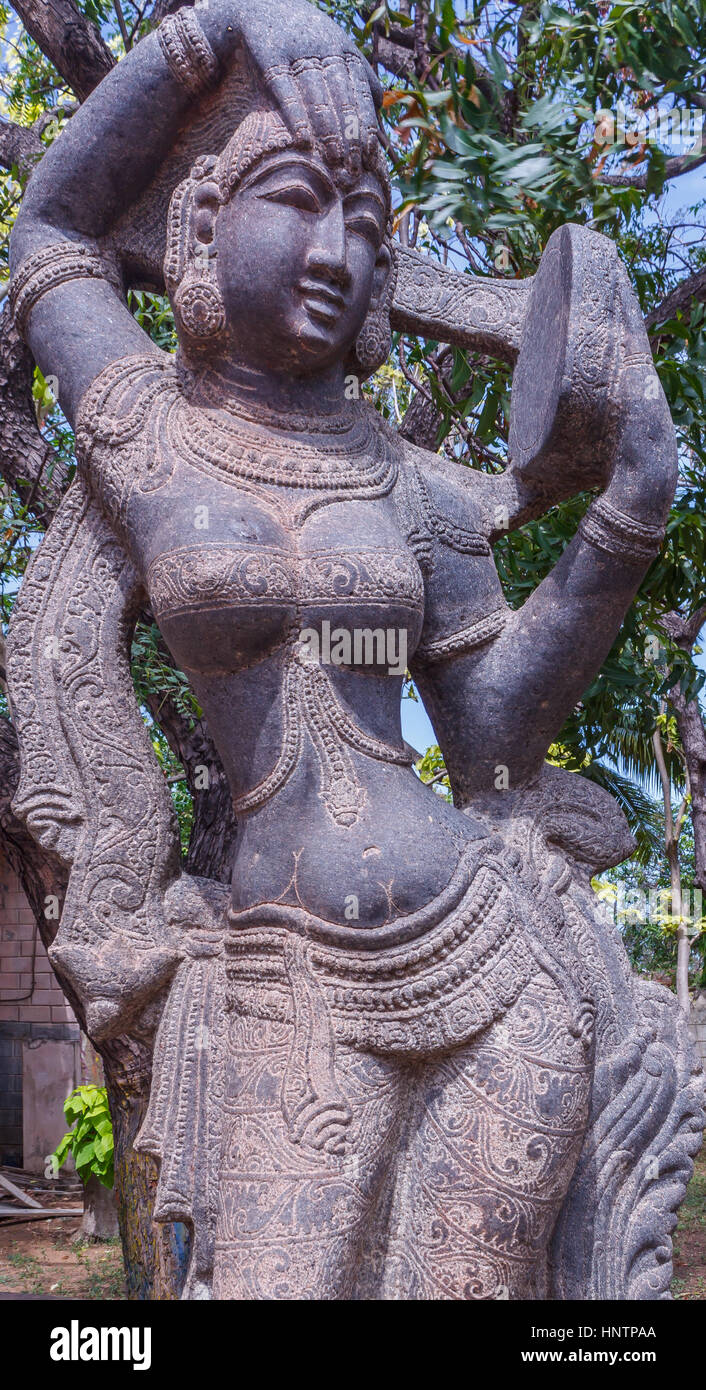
x=402, y=1054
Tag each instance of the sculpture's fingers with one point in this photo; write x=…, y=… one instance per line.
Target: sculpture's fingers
x=328, y=101
x=310, y=75
x=342, y=98
x=365, y=89
x=283, y=86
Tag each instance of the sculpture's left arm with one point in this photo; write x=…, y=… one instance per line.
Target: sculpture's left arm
x=500, y=705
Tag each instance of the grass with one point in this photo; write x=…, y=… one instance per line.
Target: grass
x=61, y=1265
x=689, y=1282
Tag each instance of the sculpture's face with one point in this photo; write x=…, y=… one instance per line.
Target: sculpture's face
x=300, y=257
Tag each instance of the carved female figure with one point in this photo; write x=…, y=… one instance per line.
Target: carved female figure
x=385, y=1061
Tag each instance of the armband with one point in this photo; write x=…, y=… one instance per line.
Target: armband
x=43, y=270
x=613, y=531
x=189, y=55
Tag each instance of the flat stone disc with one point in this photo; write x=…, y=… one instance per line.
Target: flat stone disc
x=561, y=386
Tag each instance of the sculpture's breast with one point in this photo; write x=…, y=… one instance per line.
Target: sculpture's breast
x=221, y=604
x=230, y=596
x=246, y=534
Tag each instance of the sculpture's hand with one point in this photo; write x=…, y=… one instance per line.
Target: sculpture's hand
x=324, y=88
x=587, y=407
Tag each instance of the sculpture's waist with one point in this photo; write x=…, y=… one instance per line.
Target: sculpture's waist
x=426, y=981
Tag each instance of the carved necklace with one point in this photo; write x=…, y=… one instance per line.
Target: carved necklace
x=218, y=395
x=310, y=703
x=358, y=457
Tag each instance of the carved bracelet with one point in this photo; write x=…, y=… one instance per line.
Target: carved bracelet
x=189, y=55
x=609, y=529
x=45, y=269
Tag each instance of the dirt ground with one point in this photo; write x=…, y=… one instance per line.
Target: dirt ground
x=48, y=1258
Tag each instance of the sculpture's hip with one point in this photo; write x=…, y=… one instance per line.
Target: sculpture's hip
x=424, y=982
x=400, y=1121
x=420, y=1179
x=391, y=1112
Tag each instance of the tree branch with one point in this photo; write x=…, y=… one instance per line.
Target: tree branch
x=691, y=289
x=68, y=40
x=25, y=457
x=20, y=146
x=398, y=50
x=684, y=631
x=678, y=164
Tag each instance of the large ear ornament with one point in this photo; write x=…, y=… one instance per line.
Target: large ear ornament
x=190, y=262
x=199, y=306
x=374, y=342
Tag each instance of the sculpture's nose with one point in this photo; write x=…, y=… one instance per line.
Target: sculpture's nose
x=328, y=253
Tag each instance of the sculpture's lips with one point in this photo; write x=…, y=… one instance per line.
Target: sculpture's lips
x=322, y=300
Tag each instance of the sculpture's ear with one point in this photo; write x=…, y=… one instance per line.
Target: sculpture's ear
x=192, y=215
x=190, y=263
x=374, y=341
x=381, y=278
x=205, y=208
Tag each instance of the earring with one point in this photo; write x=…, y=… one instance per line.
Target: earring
x=198, y=300
x=374, y=342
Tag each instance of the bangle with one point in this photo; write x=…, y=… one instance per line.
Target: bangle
x=189, y=55
x=45, y=269
x=608, y=529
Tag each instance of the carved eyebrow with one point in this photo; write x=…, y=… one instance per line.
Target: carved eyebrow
x=356, y=194
x=290, y=164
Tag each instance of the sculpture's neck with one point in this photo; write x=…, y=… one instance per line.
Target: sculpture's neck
x=276, y=397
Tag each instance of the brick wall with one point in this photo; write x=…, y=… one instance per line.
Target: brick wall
x=33, y=1010
x=697, y=1025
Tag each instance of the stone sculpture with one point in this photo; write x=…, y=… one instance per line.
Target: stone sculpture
x=403, y=1056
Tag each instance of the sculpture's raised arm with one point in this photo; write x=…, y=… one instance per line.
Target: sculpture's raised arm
x=67, y=289
x=468, y=311
x=587, y=410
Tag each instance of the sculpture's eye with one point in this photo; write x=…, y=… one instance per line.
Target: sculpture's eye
x=363, y=216
x=295, y=195
x=366, y=225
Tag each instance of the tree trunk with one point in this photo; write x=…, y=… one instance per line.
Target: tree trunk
x=683, y=942
x=155, y=1254
x=671, y=839
x=693, y=741
x=71, y=42
x=100, y=1216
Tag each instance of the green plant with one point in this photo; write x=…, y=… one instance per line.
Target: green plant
x=90, y=1142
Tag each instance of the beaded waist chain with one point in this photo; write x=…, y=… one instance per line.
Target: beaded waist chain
x=424, y=982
